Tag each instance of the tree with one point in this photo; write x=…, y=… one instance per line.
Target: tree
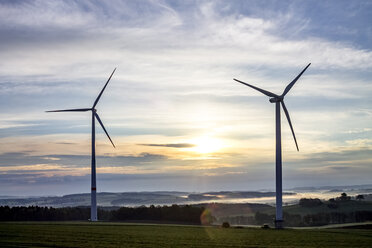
x=360, y=197
x=343, y=197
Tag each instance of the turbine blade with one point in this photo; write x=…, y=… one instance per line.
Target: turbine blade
x=71, y=110
x=290, y=85
x=104, y=129
x=100, y=94
x=290, y=124
x=265, y=92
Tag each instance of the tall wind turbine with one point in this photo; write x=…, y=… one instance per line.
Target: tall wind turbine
x=93, y=207
x=279, y=100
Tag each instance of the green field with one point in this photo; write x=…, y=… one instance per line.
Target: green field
x=84, y=234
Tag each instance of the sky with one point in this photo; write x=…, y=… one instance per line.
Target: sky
x=177, y=118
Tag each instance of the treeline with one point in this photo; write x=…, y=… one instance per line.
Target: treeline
x=334, y=211
x=175, y=213
x=35, y=213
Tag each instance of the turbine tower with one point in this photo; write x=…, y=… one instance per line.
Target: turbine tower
x=279, y=100
x=93, y=207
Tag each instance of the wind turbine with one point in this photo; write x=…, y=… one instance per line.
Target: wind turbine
x=93, y=207
x=279, y=99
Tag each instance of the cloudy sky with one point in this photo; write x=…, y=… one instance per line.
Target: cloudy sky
x=178, y=120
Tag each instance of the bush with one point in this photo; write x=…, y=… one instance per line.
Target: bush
x=359, y=197
x=265, y=226
x=225, y=225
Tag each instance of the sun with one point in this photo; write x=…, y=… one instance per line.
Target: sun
x=206, y=144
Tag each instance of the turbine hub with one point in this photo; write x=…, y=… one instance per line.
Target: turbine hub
x=276, y=99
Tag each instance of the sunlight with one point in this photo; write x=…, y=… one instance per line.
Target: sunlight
x=207, y=144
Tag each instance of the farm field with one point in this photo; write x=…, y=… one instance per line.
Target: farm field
x=103, y=234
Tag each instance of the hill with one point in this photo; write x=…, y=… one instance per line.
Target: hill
x=106, y=199
x=308, y=212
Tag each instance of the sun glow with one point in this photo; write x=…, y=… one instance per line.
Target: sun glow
x=207, y=144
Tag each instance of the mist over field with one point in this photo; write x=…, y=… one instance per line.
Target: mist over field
x=106, y=199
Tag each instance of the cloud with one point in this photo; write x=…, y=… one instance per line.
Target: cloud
x=176, y=61
x=24, y=159
x=348, y=154
x=177, y=145
x=359, y=130
x=360, y=142
x=117, y=31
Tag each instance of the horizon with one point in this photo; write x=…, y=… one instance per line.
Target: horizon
x=285, y=190
x=177, y=118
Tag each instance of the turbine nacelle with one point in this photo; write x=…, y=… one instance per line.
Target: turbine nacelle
x=276, y=99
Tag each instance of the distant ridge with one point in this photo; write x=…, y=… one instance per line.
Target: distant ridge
x=344, y=187
x=108, y=199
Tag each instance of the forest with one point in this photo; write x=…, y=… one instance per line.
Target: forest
x=176, y=213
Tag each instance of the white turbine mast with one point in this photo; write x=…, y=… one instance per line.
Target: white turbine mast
x=279, y=100
x=93, y=207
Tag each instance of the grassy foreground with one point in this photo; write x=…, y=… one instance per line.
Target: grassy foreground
x=84, y=234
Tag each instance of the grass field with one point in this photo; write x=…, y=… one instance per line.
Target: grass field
x=85, y=234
